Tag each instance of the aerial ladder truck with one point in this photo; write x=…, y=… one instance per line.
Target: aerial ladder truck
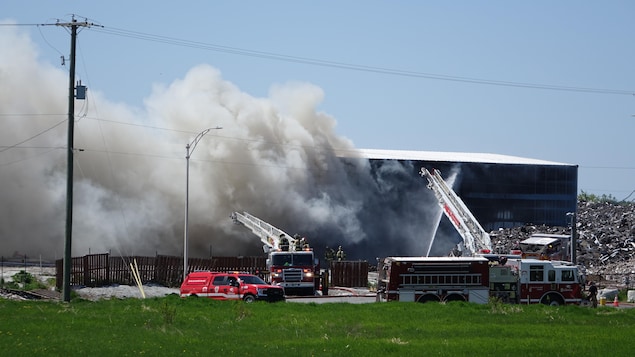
x=481, y=276
x=291, y=263
x=475, y=239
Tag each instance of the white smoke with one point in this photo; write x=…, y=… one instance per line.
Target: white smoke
x=278, y=158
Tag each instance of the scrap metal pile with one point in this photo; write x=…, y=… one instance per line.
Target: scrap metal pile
x=606, y=239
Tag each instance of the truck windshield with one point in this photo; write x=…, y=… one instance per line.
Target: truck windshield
x=292, y=259
x=251, y=279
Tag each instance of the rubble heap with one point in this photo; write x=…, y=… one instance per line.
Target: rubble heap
x=606, y=238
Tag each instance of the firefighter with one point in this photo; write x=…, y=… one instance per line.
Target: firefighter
x=593, y=291
x=298, y=242
x=329, y=254
x=340, y=254
x=284, y=243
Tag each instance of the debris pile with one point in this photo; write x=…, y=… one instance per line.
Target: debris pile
x=606, y=239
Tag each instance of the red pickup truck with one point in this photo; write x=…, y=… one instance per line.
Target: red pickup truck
x=230, y=286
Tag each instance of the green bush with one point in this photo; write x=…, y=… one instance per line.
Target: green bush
x=24, y=281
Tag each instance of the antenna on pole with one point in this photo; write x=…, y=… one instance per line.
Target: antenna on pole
x=73, y=25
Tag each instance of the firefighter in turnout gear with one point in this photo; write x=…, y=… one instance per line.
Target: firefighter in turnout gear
x=298, y=242
x=329, y=254
x=340, y=254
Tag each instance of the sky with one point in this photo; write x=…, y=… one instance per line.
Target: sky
x=544, y=80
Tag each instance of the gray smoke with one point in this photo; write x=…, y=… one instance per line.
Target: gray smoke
x=278, y=158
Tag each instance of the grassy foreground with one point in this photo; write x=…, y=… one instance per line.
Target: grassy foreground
x=200, y=327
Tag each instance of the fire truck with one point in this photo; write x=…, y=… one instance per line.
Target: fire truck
x=476, y=279
x=291, y=263
x=477, y=274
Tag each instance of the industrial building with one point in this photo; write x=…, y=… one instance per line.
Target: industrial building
x=501, y=191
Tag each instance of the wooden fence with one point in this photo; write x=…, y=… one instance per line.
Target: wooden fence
x=103, y=269
x=351, y=274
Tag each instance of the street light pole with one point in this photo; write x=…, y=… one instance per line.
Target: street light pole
x=189, y=148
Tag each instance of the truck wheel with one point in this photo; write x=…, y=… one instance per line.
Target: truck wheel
x=552, y=300
x=454, y=297
x=249, y=298
x=429, y=298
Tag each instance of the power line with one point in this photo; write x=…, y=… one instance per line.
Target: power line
x=335, y=64
x=5, y=148
x=342, y=65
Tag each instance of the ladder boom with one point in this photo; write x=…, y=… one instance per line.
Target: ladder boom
x=475, y=239
x=271, y=237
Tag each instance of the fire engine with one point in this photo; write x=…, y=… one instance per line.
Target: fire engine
x=477, y=274
x=476, y=279
x=291, y=263
x=230, y=286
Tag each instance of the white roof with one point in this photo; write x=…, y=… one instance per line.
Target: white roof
x=436, y=259
x=450, y=157
x=539, y=240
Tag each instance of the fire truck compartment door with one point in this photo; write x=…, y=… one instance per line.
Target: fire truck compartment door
x=406, y=295
x=479, y=296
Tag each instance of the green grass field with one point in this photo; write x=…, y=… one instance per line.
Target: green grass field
x=202, y=327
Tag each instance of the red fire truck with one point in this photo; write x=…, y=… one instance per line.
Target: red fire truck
x=476, y=279
x=291, y=263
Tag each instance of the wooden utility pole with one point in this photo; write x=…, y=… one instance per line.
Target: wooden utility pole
x=73, y=25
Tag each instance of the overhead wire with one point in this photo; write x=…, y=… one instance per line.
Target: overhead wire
x=83, y=114
x=33, y=137
x=335, y=64
x=326, y=63
x=349, y=66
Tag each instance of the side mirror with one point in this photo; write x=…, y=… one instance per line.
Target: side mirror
x=234, y=283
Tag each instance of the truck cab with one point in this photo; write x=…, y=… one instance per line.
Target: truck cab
x=547, y=282
x=295, y=271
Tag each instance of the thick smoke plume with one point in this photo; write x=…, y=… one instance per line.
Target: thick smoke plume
x=278, y=158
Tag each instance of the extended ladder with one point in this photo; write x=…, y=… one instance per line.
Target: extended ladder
x=270, y=236
x=475, y=239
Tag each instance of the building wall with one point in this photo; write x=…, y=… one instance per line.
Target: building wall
x=397, y=215
x=498, y=195
x=512, y=195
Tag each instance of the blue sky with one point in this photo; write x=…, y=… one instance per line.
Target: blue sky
x=573, y=44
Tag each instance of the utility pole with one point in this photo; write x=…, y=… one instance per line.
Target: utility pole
x=73, y=25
